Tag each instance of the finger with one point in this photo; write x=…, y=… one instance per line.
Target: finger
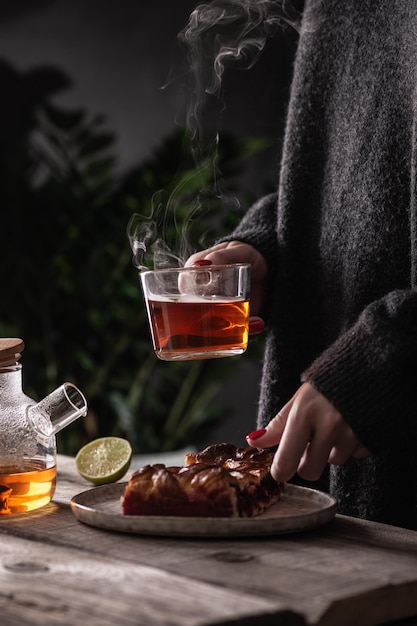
x=339, y=455
x=294, y=442
x=319, y=453
x=344, y=448
x=314, y=460
x=347, y=446
x=256, y=325
x=269, y=436
x=334, y=445
x=218, y=255
x=361, y=452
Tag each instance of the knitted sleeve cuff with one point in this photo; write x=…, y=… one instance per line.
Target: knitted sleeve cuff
x=257, y=228
x=369, y=373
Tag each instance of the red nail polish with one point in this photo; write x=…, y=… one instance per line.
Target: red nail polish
x=256, y=326
x=256, y=434
x=203, y=262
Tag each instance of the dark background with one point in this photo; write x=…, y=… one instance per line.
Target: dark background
x=118, y=56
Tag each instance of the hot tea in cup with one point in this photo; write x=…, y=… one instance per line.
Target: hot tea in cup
x=198, y=312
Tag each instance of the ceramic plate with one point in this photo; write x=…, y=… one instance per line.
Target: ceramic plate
x=299, y=509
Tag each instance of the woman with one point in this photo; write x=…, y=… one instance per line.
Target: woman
x=334, y=263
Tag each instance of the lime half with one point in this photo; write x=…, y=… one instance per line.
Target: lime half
x=104, y=460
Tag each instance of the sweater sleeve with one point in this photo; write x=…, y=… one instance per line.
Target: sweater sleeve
x=370, y=372
x=258, y=228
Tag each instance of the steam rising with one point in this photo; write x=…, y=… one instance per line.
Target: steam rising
x=228, y=32
x=219, y=33
x=151, y=249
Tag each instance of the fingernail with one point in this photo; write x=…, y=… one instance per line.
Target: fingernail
x=256, y=434
x=256, y=326
x=203, y=262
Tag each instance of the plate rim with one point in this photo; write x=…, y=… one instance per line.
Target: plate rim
x=201, y=526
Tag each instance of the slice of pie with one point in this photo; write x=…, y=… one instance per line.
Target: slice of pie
x=220, y=481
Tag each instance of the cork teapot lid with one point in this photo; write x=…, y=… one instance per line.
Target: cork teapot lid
x=10, y=349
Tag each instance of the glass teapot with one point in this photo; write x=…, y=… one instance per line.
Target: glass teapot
x=27, y=434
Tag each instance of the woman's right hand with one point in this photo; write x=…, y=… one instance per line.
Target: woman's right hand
x=238, y=252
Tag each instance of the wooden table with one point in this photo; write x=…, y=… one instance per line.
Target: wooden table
x=55, y=570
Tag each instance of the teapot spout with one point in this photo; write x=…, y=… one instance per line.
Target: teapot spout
x=59, y=409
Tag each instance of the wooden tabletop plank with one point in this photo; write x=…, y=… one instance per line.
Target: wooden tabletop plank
x=42, y=585
x=348, y=572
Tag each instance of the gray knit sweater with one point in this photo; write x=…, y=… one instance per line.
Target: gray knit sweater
x=340, y=238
